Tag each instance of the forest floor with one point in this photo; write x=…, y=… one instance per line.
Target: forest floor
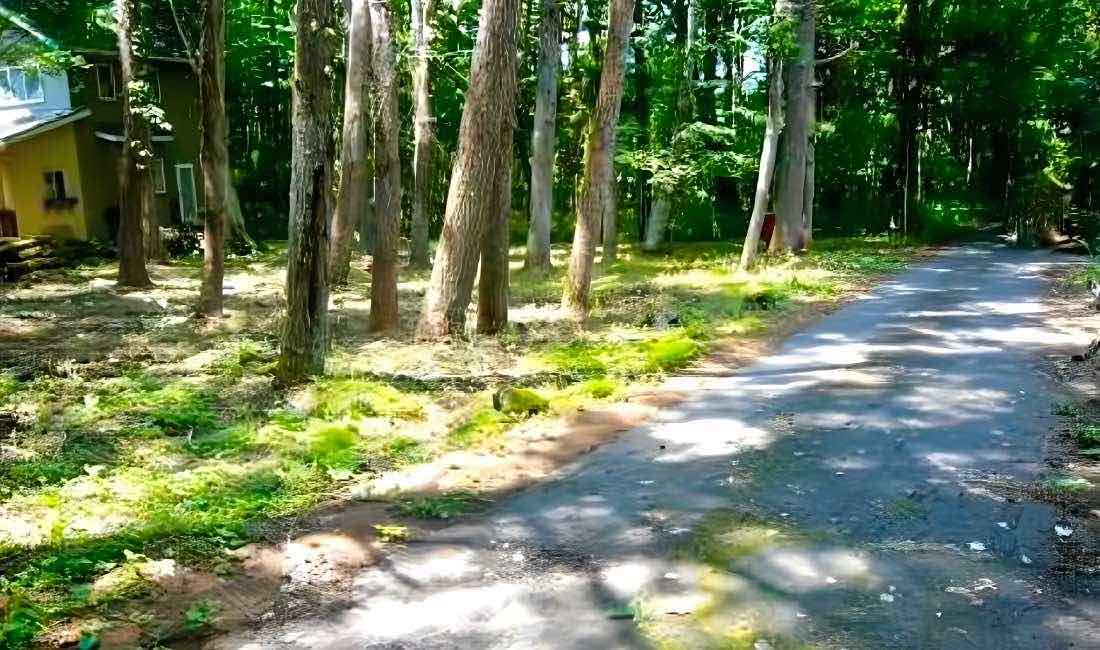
x=157, y=484
x=907, y=472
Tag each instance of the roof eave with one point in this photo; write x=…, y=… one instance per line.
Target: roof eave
x=111, y=53
x=77, y=114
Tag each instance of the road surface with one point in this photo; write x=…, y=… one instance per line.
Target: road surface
x=896, y=440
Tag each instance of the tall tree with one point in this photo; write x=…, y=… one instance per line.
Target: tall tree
x=485, y=136
x=356, y=164
x=597, y=201
x=305, y=332
x=543, y=139
x=387, y=178
x=790, y=181
x=423, y=131
x=214, y=156
x=685, y=105
x=135, y=181
x=773, y=127
x=492, y=288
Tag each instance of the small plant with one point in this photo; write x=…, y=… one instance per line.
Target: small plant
x=1065, y=485
x=443, y=506
x=391, y=533
x=200, y=615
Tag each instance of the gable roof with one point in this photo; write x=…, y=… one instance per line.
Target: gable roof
x=89, y=25
x=23, y=124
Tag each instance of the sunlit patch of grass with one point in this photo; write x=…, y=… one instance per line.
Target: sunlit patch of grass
x=442, y=506
x=144, y=404
x=906, y=510
x=1065, y=485
x=356, y=397
x=483, y=427
x=583, y=359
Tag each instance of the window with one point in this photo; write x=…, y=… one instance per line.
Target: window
x=55, y=186
x=189, y=202
x=106, y=81
x=154, y=84
x=157, y=169
x=19, y=85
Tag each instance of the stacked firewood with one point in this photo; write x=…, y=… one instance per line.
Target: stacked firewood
x=22, y=255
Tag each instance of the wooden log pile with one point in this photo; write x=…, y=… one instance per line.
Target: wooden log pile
x=22, y=255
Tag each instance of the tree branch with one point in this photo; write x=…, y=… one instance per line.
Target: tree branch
x=830, y=59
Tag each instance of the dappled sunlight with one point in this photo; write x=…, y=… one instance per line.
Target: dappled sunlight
x=704, y=437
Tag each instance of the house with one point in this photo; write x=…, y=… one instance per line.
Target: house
x=61, y=135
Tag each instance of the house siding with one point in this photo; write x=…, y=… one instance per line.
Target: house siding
x=23, y=166
x=179, y=99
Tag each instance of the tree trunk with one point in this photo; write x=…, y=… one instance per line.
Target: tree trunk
x=485, y=134
x=790, y=181
x=597, y=191
x=658, y=224
x=214, y=156
x=773, y=126
x=423, y=132
x=492, y=290
x=135, y=182
x=543, y=139
x=355, y=161
x=305, y=333
x=811, y=164
x=387, y=177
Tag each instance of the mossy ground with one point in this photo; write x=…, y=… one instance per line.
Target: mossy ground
x=128, y=427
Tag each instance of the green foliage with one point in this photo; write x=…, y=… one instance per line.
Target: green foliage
x=200, y=615
x=726, y=535
x=442, y=506
x=354, y=397
x=484, y=426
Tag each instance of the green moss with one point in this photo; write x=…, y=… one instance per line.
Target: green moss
x=906, y=509
x=600, y=387
x=333, y=445
x=442, y=506
x=354, y=397
x=482, y=427
x=582, y=360
x=1062, y=485
x=725, y=535
x=519, y=402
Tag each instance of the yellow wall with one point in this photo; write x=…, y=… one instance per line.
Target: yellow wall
x=23, y=165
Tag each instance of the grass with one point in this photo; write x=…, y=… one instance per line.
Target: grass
x=162, y=437
x=727, y=535
x=443, y=506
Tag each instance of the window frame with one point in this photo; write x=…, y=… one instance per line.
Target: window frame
x=99, y=82
x=194, y=190
x=39, y=98
x=158, y=164
x=50, y=177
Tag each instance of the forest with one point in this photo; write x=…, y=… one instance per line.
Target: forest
x=442, y=252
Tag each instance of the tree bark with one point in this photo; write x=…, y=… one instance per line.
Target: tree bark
x=492, y=290
x=356, y=163
x=597, y=191
x=135, y=183
x=543, y=140
x=423, y=132
x=214, y=156
x=811, y=169
x=485, y=133
x=773, y=126
x=658, y=224
x=790, y=183
x=387, y=177
x=305, y=333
